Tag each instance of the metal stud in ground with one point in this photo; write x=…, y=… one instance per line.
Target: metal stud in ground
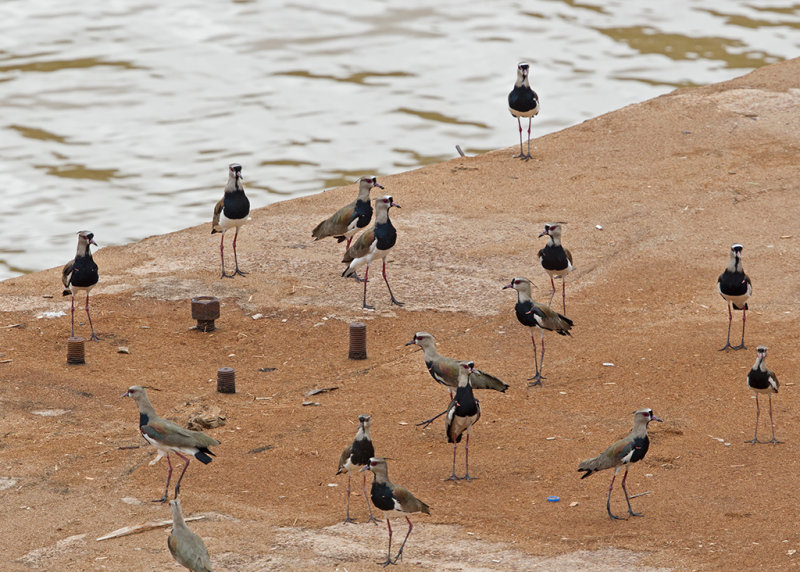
x=358, y=340
x=76, y=352
x=205, y=309
x=226, y=380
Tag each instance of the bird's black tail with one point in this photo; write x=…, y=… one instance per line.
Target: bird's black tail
x=203, y=456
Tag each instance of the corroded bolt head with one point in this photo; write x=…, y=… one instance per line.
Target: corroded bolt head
x=205, y=309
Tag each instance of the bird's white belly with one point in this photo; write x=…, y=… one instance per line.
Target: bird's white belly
x=225, y=223
x=167, y=449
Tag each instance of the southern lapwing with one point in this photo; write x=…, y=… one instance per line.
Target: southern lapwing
x=625, y=451
x=354, y=457
x=81, y=274
x=348, y=220
x=556, y=261
x=231, y=211
x=463, y=413
x=734, y=285
x=392, y=499
x=762, y=380
x=533, y=314
x=169, y=437
x=523, y=102
x=444, y=370
x=374, y=243
x=186, y=547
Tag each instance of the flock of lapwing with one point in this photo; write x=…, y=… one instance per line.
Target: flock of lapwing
x=460, y=377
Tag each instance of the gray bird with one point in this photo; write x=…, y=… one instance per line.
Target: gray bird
x=80, y=274
x=186, y=547
x=355, y=456
x=463, y=413
x=762, y=380
x=631, y=449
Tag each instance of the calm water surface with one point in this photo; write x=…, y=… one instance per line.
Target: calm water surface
x=120, y=116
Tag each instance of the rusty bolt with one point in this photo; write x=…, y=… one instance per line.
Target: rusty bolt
x=205, y=309
x=76, y=351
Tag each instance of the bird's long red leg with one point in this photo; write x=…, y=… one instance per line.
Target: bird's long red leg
x=364, y=301
x=564, y=294
x=94, y=336
x=627, y=498
x=774, y=441
x=727, y=345
x=755, y=433
x=389, y=553
x=741, y=346
x=553, y=293
x=72, y=311
x=186, y=466
x=366, y=497
x=453, y=476
x=222, y=256
x=466, y=460
x=347, y=514
x=394, y=300
x=400, y=552
x=537, y=378
x=235, y=259
x=608, y=500
x=166, y=488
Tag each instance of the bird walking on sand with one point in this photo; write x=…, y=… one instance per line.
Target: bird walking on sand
x=556, y=260
x=374, y=243
x=348, y=220
x=734, y=285
x=81, y=274
x=533, y=314
x=354, y=457
x=169, y=437
x=523, y=102
x=392, y=499
x=186, y=547
x=762, y=380
x=463, y=413
x=231, y=211
x=445, y=370
x=629, y=450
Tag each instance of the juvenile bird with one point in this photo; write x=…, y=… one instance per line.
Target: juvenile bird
x=374, y=243
x=355, y=456
x=231, y=211
x=463, y=413
x=625, y=451
x=444, y=370
x=734, y=285
x=348, y=220
x=392, y=499
x=762, y=380
x=523, y=102
x=556, y=260
x=80, y=274
x=169, y=437
x=186, y=547
x=533, y=314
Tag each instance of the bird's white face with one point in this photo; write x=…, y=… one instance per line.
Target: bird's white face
x=235, y=170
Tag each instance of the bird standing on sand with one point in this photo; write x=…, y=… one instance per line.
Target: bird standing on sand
x=523, y=102
x=463, y=413
x=169, y=437
x=374, y=243
x=231, y=211
x=530, y=313
x=186, y=547
x=734, y=285
x=556, y=260
x=625, y=451
x=762, y=380
x=348, y=220
x=81, y=274
x=445, y=370
x=392, y=499
x=354, y=457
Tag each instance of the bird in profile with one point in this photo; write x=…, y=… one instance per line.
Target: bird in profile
x=186, y=547
x=629, y=450
x=556, y=260
x=523, y=102
x=734, y=286
x=349, y=219
x=231, y=211
x=169, y=437
x=762, y=380
x=354, y=457
x=80, y=274
x=392, y=499
x=463, y=413
x=533, y=314
x=445, y=370
x=374, y=243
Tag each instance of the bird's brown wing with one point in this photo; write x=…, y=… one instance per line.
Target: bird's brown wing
x=569, y=255
x=217, y=211
x=343, y=458
x=173, y=435
x=360, y=246
x=408, y=502
x=482, y=380
x=66, y=275
x=336, y=224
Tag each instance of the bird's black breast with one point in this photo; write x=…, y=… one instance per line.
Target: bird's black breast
x=84, y=272
x=523, y=99
x=363, y=450
x=386, y=235
x=758, y=379
x=381, y=496
x=143, y=419
x=524, y=314
x=362, y=212
x=733, y=283
x=640, y=446
x=554, y=258
x=236, y=205
x=466, y=404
